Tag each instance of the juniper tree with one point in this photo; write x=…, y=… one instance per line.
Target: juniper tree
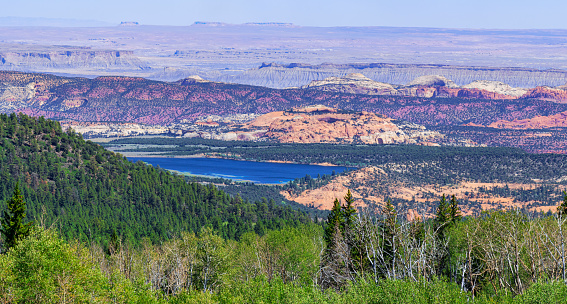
x=13, y=226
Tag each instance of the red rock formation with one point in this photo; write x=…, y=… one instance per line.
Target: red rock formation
x=547, y=93
x=323, y=124
x=538, y=122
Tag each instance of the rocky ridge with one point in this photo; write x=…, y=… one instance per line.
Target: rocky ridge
x=69, y=58
x=297, y=74
x=436, y=86
x=462, y=114
x=558, y=120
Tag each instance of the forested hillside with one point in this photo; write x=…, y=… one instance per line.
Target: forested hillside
x=411, y=176
x=90, y=193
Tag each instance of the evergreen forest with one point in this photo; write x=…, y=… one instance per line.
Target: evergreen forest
x=81, y=224
x=90, y=193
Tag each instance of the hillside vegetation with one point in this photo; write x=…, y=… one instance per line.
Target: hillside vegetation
x=91, y=193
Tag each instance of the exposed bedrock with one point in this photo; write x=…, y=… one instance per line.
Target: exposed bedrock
x=296, y=75
x=66, y=59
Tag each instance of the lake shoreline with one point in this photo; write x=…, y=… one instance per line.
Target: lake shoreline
x=265, y=173
x=162, y=155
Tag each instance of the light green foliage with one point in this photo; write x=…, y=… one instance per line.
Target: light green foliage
x=45, y=269
x=552, y=293
x=213, y=256
x=291, y=254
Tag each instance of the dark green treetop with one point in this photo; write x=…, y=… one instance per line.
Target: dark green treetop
x=562, y=208
x=13, y=226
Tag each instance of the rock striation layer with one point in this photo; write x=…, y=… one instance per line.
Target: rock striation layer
x=423, y=86
x=296, y=75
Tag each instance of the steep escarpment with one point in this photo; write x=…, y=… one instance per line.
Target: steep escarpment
x=423, y=86
x=68, y=58
x=558, y=94
x=295, y=75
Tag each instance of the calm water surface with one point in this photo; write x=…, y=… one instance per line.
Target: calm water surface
x=258, y=172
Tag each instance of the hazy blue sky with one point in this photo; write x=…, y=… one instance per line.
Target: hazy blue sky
x=521, y=14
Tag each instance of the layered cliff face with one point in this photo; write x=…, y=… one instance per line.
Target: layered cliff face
x=558, y=94
x=425, y=86
x=81, y=58
x=296, y=75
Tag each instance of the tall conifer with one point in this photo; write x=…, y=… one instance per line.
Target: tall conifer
x=13, y=226
x=562, y=208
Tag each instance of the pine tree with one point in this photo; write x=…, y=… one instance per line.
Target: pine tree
x=454, y=210
x=348, y=209
x=335, y=220
x=389, y=234
x=13, y=226
x=442, y=216
x=562, y=208
x=336, y=261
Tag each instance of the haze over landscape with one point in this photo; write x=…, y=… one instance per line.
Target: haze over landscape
x=283, y=151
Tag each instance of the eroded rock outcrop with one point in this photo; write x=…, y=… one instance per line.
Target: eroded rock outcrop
x=547, y=93
x=433, y=81
x=496, y=87
x=317, y=124
x=538, y=122
x=425, y=86
x=355, y=83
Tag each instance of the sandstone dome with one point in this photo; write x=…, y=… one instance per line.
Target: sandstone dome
x=496, y=87
x=433, y=80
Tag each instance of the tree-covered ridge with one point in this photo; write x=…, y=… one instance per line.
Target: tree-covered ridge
x=90, y=192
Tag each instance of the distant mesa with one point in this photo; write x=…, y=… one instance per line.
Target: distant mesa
x=207, y=23
x=129, y=23
x=269, y=24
